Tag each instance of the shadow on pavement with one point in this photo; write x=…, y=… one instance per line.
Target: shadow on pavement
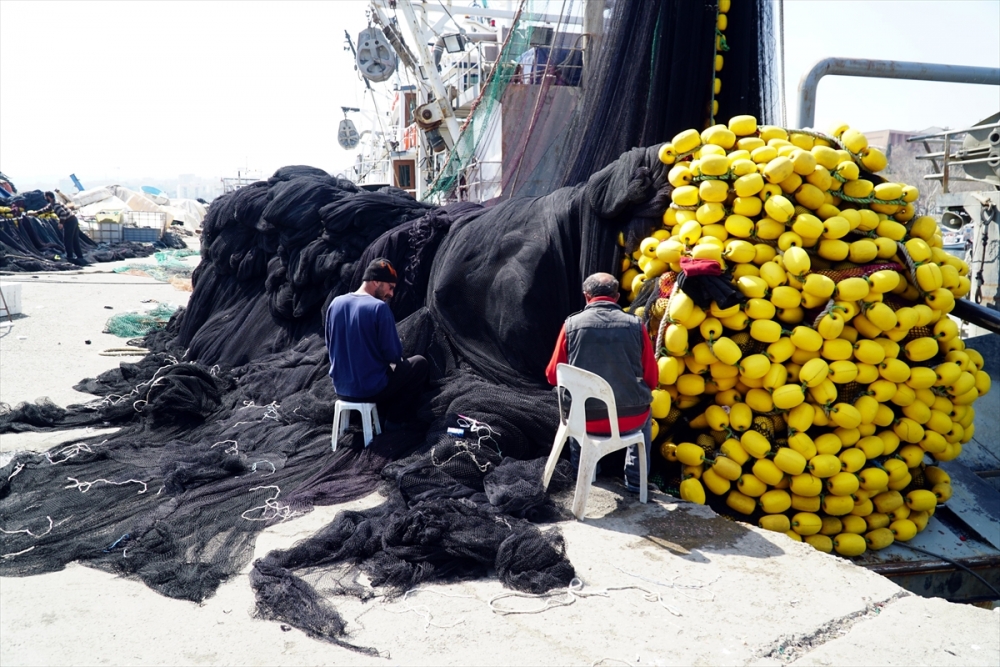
x=693, y=532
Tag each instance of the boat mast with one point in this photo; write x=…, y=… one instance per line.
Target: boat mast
x=427, y=76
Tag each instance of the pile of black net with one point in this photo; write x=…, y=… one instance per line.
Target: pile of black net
x=32, y=245
x=652, y=78
x=225, y=427
x=226, y=424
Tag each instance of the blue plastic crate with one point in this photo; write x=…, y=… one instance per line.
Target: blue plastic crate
x=140, y=234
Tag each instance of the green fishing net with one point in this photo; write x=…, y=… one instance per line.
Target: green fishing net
x=133, y=325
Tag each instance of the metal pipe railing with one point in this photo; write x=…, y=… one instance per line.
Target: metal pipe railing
x=934, y=136
x=981, y=316
x=885, y=69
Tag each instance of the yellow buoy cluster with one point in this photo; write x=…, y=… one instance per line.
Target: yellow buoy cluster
x=822, y=401
x=7, y=212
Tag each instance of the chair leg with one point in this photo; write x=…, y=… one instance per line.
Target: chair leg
x=376, y=425
x=588, y=463
x=366, y=426
x=344, y=421
x=643, y=486
x=336, y=428
x=557, y=446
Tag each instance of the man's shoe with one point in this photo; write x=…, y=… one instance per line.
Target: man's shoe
x=634, y=488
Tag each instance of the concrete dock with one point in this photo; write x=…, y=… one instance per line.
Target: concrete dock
x=660, y=584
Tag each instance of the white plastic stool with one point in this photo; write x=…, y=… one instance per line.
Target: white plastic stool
x=342, y=417
x=582, y=385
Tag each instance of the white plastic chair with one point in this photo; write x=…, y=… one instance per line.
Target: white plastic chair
x=342, y=417
x=582, y=385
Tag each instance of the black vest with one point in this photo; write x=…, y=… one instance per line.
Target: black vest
x=607, y=341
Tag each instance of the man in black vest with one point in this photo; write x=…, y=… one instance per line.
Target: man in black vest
x=607, y=341
x=69, y=226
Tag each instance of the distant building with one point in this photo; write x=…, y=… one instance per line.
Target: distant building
x=190, y=186
x=885, y=140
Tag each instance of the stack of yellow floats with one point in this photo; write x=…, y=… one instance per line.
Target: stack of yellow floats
x=7, y=212
x=821, y=403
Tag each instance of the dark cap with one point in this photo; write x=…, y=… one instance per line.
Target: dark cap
x=380, y=269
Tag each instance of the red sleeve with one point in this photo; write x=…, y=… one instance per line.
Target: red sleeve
x=650, y=371
x=559, y=356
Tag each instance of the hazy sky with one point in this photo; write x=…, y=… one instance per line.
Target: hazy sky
x=107, y=89
x=954, y=32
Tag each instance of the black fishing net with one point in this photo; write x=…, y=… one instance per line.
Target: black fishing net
x=226, y=424
x=29, y=244
x=225, y=427
x=653, y=77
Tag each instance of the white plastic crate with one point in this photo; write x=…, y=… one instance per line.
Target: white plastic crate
x=12, y=295
x=106, y=232
x=146, y=219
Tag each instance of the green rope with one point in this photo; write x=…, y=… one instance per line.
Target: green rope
x=728, y=176
x=657, y=31
x=715, y=75
x=723, y=45
x=815, y=135
x=867, y=200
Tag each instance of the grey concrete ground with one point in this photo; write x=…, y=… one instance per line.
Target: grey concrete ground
x=662, y=584
x=57, y=340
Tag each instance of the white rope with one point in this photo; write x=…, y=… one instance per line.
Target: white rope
x=17, y=469
x=271, y=411
x=425, y=613
x=233, y=449
x=28, y=532
x=680, y=588
x=478, y=428
x=277, y=510
x=464, y=447
x=115, y=399
x=85, y=486
x=70, y=452
x=422, y=610
x=572, y=593
x=16, y=553
x=575, y=591
x=273, y=469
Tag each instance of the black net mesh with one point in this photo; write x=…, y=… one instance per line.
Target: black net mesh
x=225, y=427
x=653, y=77
x=31, y=244
x=226, y=423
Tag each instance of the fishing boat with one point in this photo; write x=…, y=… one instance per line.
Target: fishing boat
x=478, y=97
x=953, y=240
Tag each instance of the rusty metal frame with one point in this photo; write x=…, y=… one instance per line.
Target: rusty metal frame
x=885, y=69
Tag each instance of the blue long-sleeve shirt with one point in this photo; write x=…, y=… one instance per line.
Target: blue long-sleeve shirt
x=362, y=341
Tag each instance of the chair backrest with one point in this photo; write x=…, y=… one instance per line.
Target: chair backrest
x=582, y=385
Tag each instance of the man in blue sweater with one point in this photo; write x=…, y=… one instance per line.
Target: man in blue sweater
x=366, y=356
